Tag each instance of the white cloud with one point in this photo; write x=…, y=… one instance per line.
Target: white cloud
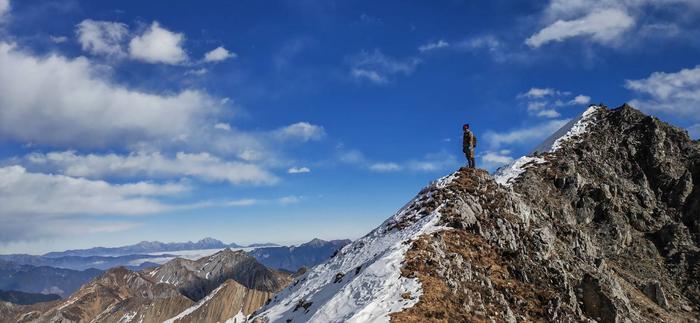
x=59, y=101
x=158, y=45
x=485, y=42
x=286, y=200
x=371, y=76
x=433, y=45
x=153, y=165
x=433, y=162
x=298, y=170
x=527, y=135
x=218, y=54
x=541, y=102
x=494, y=159
x=31, y=201
x=58, y=39
x=241, y=202
x=4, y=9
x=300, y=131
x=548, y=113
x=580, y=100
x=377, y=67
x=608, y=22
x=385, y=167
x=536, y=93
x=601, y=26
x=675, y=94
x=223, y=126
x=102, y=37
x=197, y=72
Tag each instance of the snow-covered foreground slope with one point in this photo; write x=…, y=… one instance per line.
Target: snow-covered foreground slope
x=363, y=282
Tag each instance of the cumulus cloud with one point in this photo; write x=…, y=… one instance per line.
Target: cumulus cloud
x=433, y=46
x=527, y=135
x=54, y=100
x=158, y=45
x=102, y=37
x=32, y=201
x=376, y=67
x=298, y=170
x=676, y=94
x=202, y=166
x=300, y=131
x=218, y=54
x=601, y=26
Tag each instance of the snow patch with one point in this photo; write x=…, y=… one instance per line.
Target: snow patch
x=570, y=131
x=127, y=317
x=194, y=307
x=363, y=283
x=238, y=318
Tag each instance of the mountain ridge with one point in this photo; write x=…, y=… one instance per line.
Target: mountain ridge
x=601, y=225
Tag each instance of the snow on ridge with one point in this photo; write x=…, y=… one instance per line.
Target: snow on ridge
x=576, y=127
x=194, y=307
x=363, y=283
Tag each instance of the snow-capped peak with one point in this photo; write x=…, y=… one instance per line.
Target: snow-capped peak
x=574, y=128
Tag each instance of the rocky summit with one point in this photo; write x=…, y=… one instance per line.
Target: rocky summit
x=602, y=224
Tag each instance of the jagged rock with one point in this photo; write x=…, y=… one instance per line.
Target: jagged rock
x=655, y=291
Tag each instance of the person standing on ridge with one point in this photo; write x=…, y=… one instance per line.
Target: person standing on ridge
x=468, y=145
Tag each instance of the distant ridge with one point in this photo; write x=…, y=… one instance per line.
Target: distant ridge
x=151, y=246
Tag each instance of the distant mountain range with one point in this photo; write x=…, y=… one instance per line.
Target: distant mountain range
x=43, y=279
x=292, y=258
x=81, y=263
x=234, y=284
x=24, y=298
x=144, y=247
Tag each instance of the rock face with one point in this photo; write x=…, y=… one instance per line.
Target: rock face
x=196, y=279
x=601, y=225
x=227, y=301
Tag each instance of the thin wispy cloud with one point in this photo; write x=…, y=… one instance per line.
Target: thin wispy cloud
x=378, y=68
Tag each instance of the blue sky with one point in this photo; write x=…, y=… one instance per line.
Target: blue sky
x=280, y=121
